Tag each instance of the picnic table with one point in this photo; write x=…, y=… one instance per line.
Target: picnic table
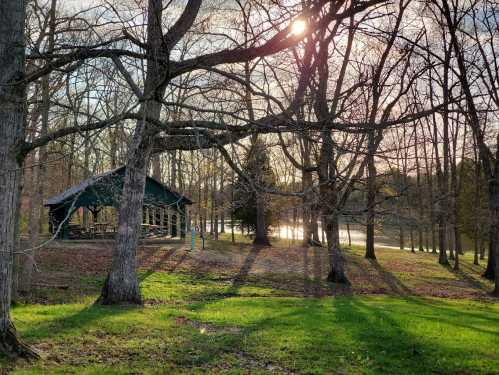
x=101, y=227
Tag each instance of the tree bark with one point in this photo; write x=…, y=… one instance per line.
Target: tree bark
x=371, y=196
x=12, y=128
x=122, y=284
x=261, y=237
x=336, y=261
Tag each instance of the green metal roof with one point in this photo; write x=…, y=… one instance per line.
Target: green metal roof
x=105, y=190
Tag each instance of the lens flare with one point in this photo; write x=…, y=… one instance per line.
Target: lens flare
x=298, y=27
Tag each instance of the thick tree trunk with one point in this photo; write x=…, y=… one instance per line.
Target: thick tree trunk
x=12, y=124
x=37, y=213
x=329, y=202
x=491, y=261
x=492, y=271
x=122, y=285
x=401, y=238
x=336, y=261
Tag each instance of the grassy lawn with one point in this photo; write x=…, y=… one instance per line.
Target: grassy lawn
x=194, y=324
x=234, y=317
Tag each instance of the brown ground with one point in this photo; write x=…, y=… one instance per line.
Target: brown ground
x=294, y=270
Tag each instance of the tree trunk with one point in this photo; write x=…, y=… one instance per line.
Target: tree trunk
x=122, y=284
x=329, y=202
x=494, y=253
x=27, y=262
x=222, y=201
x=450, y=241
x=349, y=236
x=419, y=188
x=336, y=262
x=261, y=237
x=476, y=249
x=308, y=196
x=493, y=232
x=156, y=167
x=401, y=238
x=371, y=197
x=411, y=236
x=314, y=226
x=12, y=127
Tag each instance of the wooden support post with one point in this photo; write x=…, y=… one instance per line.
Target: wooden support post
x=182, y=222
x=157, y=216
x=151, y=215
x=166, y=221
x=174, y=223
x=162, y=220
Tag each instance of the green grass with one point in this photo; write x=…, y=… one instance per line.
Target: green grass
x=199, y=324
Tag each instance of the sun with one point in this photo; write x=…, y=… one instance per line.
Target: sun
x=298, y=27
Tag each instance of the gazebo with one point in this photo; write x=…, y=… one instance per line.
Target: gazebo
x=160, y=214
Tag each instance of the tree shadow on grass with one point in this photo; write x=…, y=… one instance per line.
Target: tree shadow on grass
x=241, y=277
x=344, y=334
x=312, y=281
x=161, y=261
x=397, y=287
x=71, y=323
x=391, y=347
x=382, y=343
x=470, y=280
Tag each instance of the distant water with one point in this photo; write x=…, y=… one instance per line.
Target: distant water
x=357, y=235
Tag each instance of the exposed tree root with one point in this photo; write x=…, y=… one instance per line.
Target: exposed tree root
x=12, y=347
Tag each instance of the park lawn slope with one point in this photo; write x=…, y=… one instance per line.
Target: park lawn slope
x=195, y=324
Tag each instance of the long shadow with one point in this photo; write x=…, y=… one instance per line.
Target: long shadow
x=76, y=321
x=393, y=282
x=144, y=254
x=393, y=348
x=307, y=285
x=312, y=283
x=376, y=342
x=383, y=342
x=463, y=276
x=240, y=278
x=153, y=268
x=317, y=272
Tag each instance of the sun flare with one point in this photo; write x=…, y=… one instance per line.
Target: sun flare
x=298, y=27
